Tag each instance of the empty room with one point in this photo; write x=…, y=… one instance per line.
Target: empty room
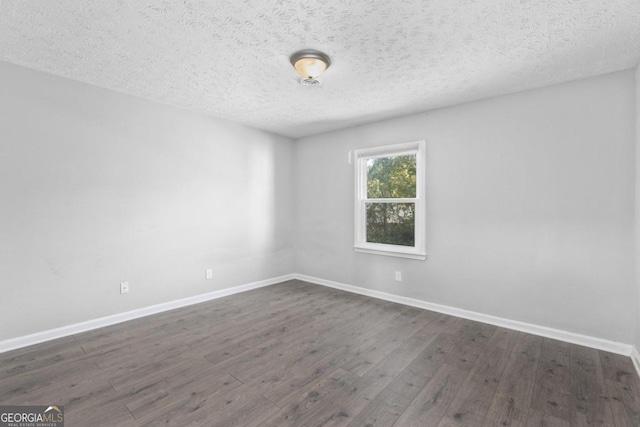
x=320, y=213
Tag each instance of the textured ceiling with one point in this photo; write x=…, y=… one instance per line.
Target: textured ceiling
x=230, y=58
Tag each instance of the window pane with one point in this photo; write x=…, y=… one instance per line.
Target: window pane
x=391, y=223
x=391, y=177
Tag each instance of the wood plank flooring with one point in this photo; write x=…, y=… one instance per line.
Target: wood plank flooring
x=296, y=354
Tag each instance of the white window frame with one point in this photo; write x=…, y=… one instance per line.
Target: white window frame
x=361, y=245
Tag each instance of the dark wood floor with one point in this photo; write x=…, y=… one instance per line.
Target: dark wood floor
x=297, y=354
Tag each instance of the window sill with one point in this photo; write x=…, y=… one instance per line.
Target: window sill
x=392, y=253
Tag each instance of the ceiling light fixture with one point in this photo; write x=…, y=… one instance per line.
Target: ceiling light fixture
x=310, y=64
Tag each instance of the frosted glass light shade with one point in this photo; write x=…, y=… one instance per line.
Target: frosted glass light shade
x=310, y=68
x=310, y=63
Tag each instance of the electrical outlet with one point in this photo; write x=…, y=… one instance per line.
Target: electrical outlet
x=398, y=276
x=208, y=274
x=124, y=287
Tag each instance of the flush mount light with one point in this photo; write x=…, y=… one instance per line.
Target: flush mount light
x=310, y=64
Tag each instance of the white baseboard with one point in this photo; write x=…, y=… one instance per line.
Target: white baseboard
x=557, y=334
x=584, y=340
x=39, y=337
x=635, y=357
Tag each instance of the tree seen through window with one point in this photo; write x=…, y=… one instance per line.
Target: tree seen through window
x=388, y=221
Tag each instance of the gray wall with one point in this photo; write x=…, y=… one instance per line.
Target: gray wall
x=637, y=216
x=530, y=207
x=98, y=188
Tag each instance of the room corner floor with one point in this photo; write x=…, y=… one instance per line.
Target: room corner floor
x=305, y=355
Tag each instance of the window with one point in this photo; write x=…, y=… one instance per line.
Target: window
x=390, y=206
